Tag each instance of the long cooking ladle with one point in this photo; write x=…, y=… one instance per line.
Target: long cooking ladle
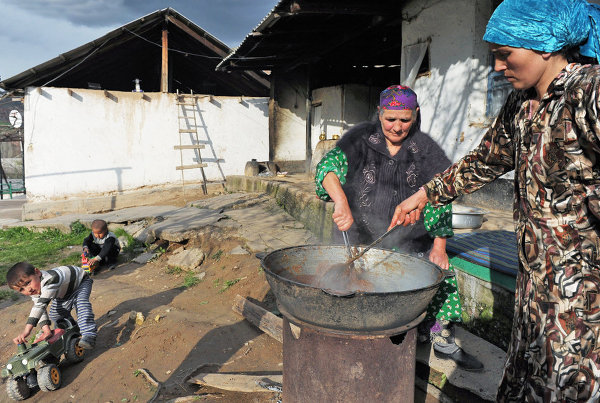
x=347, y=243
x=375, y=242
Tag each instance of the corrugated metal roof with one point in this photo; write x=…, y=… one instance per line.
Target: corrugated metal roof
x=307, y=31
x=130, y=51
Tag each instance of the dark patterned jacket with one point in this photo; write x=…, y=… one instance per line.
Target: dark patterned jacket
x=377, y=182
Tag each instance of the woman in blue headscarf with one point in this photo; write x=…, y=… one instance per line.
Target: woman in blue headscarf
x=548, y=131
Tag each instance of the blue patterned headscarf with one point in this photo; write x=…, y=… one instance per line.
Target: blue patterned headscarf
x=546, y=25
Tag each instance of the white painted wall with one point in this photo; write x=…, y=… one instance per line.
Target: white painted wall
x=289, y=120
x=453, y=96
x=341, y=107
x=86, y=143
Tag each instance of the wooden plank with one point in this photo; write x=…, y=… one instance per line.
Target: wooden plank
x=179, y=168
x=187, y=130
x=205, y=41
x=261, y=318
x=192, y=147
x=237, y=382
x=164, y=70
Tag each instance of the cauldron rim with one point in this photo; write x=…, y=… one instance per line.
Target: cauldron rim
x=436, y=284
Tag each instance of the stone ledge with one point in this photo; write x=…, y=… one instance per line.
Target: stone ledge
x=294, y=196
x=37, y=210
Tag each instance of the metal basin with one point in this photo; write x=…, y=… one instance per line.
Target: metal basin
x=402, y=287
x=464, y=217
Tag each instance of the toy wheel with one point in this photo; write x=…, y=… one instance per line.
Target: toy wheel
x=49, y=378
x=17, y=389
x=74, y=352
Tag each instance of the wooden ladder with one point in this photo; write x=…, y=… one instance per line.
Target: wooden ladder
x=186, y=107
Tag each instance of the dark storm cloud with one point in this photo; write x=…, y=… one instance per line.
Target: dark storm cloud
x=228, y=20
x=34, y=31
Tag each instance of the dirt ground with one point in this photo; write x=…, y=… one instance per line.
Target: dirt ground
x=186, y=330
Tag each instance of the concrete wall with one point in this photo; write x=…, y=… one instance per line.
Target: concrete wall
x=89, y=142
x=453, y=96
x=340, y=107
x=334, y=110
x=288, y=123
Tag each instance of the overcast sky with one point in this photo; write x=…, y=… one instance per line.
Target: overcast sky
x=34, y=31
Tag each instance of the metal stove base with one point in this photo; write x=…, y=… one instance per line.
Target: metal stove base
x=322, y=366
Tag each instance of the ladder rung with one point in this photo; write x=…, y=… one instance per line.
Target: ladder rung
x=187, y=130
x=179, y=168
x=190, y=147
x=185, y=104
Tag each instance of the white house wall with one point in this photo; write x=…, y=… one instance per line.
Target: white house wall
x=341, y=107
x=87, y=142
x=453, y=96
x=289, y=142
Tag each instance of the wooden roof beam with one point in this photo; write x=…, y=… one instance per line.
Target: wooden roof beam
x=218, y=50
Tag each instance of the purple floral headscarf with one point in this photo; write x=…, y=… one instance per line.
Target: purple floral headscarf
x=398, y=97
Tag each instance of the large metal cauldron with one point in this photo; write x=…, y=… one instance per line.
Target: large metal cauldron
x=402, y=287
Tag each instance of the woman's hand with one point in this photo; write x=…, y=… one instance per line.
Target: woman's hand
x=409, y=211
x=440, y=258
x=438, y=253
x=342, y=216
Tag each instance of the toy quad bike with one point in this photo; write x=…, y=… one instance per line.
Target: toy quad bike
x=37, y=365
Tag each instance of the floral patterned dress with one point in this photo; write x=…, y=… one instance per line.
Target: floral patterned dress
x=446, y=303
x=554, y=353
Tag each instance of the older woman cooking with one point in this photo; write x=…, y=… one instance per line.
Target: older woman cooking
x=374, y=166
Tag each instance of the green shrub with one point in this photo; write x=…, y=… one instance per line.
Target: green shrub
x=174, y=270
x=191, y=279
x=228, y=284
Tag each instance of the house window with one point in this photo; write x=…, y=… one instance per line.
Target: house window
x=424, y=69
x=414, y=62
x=498, y=86
x=498, y=90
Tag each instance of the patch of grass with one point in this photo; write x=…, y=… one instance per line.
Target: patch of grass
x=8, y=294
x=191, y=279
x=217, y=255
x=228, y=284
x=136, y=372
x=132, y=243
x=72, y=259
x=174, y=270
x=157, y=253
x=41, y=249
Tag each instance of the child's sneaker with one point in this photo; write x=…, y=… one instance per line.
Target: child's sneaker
x=87, y=342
